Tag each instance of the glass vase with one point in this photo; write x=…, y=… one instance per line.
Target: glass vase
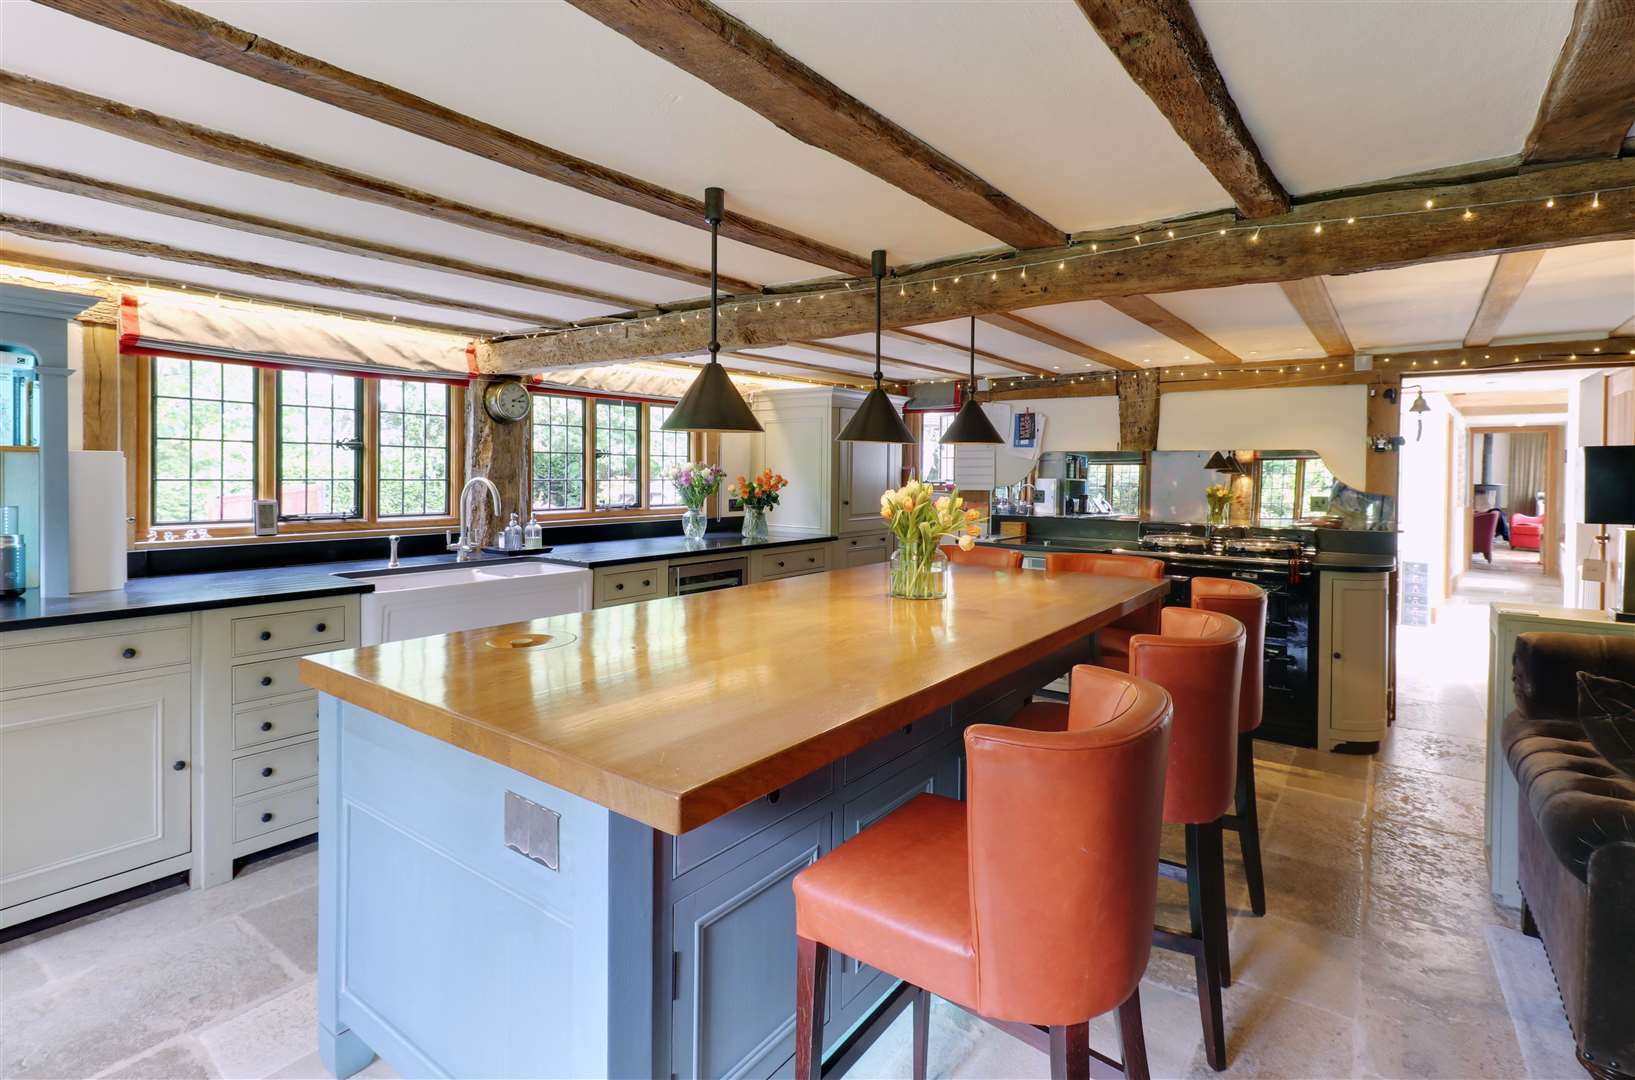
x=918, y=572
x=693, y=523
x=1217, y=513
x=754, y=523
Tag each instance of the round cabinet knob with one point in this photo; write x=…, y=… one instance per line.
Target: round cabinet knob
x=780, y=564
x=266, y=725
x=267, y=816
x=619, y=587
x=179, y=766
x=645, y=583
x=266, y=635
x=266, y=680
x=129, y=654
x=774, y=795
x=321, y=627
x=267, y=771
x=811, y=558
x=1336, y=656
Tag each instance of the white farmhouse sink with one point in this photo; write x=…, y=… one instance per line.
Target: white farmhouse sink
x=466, y=597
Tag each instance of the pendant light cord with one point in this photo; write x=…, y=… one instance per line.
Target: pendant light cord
x=973, y=356
x=714, y=210
x=878, y=276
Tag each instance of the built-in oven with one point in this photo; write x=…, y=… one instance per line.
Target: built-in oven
x=708, y=575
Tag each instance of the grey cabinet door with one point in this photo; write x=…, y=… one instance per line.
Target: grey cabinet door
x=857, y=986
x=734, y=938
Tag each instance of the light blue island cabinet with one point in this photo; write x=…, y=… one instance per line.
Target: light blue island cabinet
x=477, y=921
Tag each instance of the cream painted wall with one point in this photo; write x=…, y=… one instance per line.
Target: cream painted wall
x=1075, y=423
x=1332, y=420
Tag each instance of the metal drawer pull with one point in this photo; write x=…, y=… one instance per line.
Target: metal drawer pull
x=266, y=680
x=266, y=725
x=267, y=771
x=128, y=653
x=179, y=766
x=266, y=635
x=619, y=587
x=774, y=795
x=267, y=816
x=646, y=582
x=322, y=627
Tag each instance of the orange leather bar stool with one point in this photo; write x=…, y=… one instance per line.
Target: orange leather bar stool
x=1114, y=638
x=1030, y=904
x=1246, y=602
x=1197, y=659
x=992, y=557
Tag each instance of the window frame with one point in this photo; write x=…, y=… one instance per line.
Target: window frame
x=137, y=442
x=590, y=509
x=1300, y=510
x=149, y=395
x=454, y=421
x=925, y=448
x=362, y=388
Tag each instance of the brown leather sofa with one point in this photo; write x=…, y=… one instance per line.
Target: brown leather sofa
x=1577, y=842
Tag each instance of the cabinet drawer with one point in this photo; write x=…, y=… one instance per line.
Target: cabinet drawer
x=269, y=723
x=635, y=583
x=88, y=657
x=696, y=846
x=270, y=768
x=288, y=630
x=887, y=748
x=253, y=817
x=787, y=562
x=270, y=678
x=862, y=550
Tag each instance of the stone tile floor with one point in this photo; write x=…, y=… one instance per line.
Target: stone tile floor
x=1380, y=956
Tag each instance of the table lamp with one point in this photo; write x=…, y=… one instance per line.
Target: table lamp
x=1609, y=499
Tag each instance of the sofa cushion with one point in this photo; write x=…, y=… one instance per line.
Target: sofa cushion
x=1578, y=799
x=1606, y=708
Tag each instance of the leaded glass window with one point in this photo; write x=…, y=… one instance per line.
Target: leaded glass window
x=414, y=450
x=204, y=455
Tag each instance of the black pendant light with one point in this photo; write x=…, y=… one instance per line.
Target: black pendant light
x=972, y=424
x=876, y=420
x=1226, y=463
x=712, y=403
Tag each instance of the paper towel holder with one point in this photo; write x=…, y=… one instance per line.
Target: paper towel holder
x=266, y=517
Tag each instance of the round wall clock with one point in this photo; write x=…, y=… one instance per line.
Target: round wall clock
x=506, y=402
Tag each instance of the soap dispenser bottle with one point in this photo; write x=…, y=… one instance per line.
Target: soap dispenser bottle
x=511, y=539
x=532, y=537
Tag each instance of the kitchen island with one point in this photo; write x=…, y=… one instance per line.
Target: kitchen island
x=563, y=847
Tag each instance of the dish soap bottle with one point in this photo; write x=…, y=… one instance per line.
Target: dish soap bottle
x=532, y=537
x=511, y=538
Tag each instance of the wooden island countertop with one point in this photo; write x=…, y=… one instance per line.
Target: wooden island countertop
x=676, y=711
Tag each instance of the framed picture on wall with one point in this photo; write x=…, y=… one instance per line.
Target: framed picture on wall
x=1026, y=431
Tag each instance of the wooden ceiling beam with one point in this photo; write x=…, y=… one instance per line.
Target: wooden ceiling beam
x=232, y=152
x=1510, y=276
x=964, y=351
x=1150, y=313
x=838, y=376
x=115, y=280
x=195, y=34
x=868, y=357
x=154, y=202
x=1044, y=335
x=147, y=249
x=1316, y=309
x=1589, y=104
x=1392, y=228
x=1164, y=51
x=726, y=53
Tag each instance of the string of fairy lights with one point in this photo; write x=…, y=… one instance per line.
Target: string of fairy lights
x=1020, y=267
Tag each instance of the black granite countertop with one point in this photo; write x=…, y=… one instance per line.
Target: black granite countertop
x=1325, y=560
x=647, y=549
x=167, y=593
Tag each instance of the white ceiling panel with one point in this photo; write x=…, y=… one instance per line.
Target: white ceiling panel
x=1587, y=289
x=1253, y=321
x=1022, y=93
x=906, y=350
x=1341, y=93
x=51, y=207
x=1003, y=343
x=137, y=267
x=558, y=76
x=1427, y=305
x=41, y=140
x=1094, y=323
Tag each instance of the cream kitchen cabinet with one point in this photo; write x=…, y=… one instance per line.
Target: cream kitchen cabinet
x=1353, y=661
x=834, y=488
x=96, y=772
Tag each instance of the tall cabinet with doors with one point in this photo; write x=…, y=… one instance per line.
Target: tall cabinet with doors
x=834, y=488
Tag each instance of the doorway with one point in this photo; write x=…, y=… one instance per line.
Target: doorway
x=1514, y=501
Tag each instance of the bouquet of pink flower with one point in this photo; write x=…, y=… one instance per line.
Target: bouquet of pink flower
x=695, y=482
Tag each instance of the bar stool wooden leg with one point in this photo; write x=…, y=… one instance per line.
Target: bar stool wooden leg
x=1206, y=897
x=922, y=1030
x=1132, y=1040
x=1070, y=1052
x=811, y=988
x=1247, y=824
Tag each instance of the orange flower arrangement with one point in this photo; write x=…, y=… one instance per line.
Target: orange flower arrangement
x=761, y=493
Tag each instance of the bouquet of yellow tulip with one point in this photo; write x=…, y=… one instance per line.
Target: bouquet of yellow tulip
x=920, y=518
x=1220, y=497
